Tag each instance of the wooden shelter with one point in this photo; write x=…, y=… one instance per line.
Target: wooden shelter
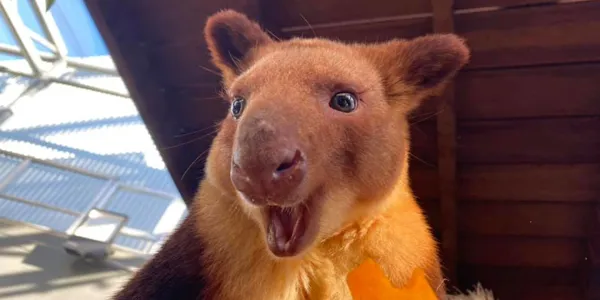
x=507, y=162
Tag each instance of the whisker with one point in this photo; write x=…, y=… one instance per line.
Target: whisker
x=417, y=129
x=309, y=26
x=414, y=116
x=429, y=116
x=441, y=285
x=197, y=131
x=210, y=70
x=190, y=141
x=273, y=35
x=421, y=160
x=193, y=163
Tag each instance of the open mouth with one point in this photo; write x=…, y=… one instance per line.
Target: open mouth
x=288, y=229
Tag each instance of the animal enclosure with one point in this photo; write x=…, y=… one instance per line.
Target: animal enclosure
x=506, y=163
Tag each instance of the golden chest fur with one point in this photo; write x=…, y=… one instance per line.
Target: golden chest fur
x=236, y=257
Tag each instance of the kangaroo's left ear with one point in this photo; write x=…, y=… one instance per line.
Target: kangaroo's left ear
x=231, y=37
x=429, y=61
x=414, y=69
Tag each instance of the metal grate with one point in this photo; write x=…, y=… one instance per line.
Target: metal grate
x=58, y=196
x=67, y=178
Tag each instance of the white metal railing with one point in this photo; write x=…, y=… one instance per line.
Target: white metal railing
x=52, y=67
x=109, y=189
x=55, y=66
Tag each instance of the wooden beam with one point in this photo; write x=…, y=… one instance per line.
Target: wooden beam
x=125, y=43
x=531, y=38
x=592, y=268
x=443, y=22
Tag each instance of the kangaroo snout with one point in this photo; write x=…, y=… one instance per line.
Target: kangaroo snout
x=267, y=164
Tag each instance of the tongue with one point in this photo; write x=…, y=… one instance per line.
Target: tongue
x=286, y=227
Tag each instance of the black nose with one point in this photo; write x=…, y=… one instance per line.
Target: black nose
x=268, y=175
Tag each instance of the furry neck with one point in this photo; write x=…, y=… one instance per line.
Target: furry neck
x=237, y=259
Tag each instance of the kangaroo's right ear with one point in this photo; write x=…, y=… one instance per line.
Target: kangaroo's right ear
x=231, y=37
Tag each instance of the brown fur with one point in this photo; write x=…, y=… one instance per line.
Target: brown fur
x=173, y=273
x=357, y=164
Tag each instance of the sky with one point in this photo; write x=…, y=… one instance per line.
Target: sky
x=74, y=22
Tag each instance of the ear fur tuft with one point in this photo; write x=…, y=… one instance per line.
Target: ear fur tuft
x=430, y=61
x=231, y=36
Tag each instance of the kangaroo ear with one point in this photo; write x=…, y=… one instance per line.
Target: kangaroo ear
x=231, y=37
x=430, y=61
x=413, y=70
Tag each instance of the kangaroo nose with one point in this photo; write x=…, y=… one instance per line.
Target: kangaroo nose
x=268, y=176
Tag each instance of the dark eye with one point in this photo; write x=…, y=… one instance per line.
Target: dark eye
x=237, y=106
x=344, y=102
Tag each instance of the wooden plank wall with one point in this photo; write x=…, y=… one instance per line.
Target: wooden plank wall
x=528, y=138
x=528, y=130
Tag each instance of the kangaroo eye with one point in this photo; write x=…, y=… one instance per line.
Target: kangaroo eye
x=237, y=106
x=344, y=102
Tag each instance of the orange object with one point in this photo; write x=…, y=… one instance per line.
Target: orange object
x=369, y=282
